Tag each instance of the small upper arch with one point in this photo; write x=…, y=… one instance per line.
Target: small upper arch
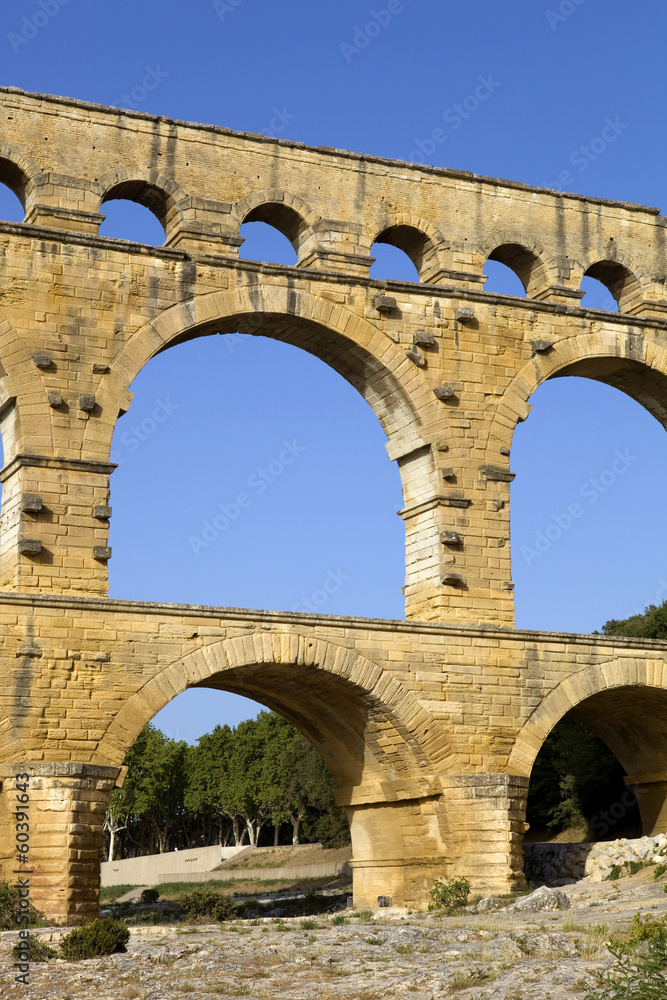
x=419, y=240
x=620, y=276
x=287, y=213
x=18, y=172
x=525, y=257
x=155, y=191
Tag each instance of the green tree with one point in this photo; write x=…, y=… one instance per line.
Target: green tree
x=575, y=776
x=153, y=791
x=209, y=784
x=652, y=624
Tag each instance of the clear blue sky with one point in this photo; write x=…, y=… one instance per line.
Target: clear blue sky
x=558, y=71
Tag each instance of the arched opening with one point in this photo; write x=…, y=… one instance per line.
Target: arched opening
x=525, y=268
x=273, y=232
x=287, y=499
x=136, y=211
x=610, y=285
x=264, y=242
x=588, y=539
x=12, y=192
x=240, y=776
x=577, y=792
x=600, y=774
x=393, y=246
x=391, y=264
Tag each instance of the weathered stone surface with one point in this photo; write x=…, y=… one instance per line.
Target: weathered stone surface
x=543, y=898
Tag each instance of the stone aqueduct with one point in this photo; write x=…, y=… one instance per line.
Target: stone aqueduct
x=429, y=725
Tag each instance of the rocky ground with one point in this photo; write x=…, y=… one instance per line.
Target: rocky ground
x=506, y=956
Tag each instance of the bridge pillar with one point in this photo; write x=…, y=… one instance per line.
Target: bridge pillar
x=485, y=824
x=66, y=804
x=53, y=528
x=396, y=852
x=474, y=829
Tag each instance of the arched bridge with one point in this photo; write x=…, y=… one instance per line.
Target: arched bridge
x=430, y=726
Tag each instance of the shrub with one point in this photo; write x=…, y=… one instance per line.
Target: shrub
x=149, y=896
x=449, y=894
x=33, y=949
x=101, y=937
x=9, y=908
x=614, y=874
x=201, y=903
x=659, y=870
x=647, y=928
x=338, y=921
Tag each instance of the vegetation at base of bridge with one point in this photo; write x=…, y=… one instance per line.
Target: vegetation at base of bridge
x=251, y=783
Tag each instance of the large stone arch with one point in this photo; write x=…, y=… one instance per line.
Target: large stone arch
x=370, y=361
x=633, y=364
x=624, y=702
x=370, y=730
x=594, y=680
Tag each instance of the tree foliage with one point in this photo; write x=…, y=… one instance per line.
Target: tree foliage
x=651, y=625
x=255, y=781
x=575, y=778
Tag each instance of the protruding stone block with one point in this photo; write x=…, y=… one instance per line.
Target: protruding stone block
x=101, y=512
x=385, y=304
x=31, y=503
x=102, y=552
x=445, y=391
x=450, y=538
x=30, y=546
x=87, y=402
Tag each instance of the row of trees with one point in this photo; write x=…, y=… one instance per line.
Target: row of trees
x=259, y=781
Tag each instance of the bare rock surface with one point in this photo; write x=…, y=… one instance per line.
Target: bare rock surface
x=497, y=955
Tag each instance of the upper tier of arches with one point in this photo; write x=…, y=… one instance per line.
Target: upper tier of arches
x=190, y=222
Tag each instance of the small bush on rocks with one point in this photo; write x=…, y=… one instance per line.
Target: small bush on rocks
x=149, y=896
x=449, y=894
x=33, y=949
x=202, y=903
x=9, y=910
x=659, y=871
x=101, y=937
